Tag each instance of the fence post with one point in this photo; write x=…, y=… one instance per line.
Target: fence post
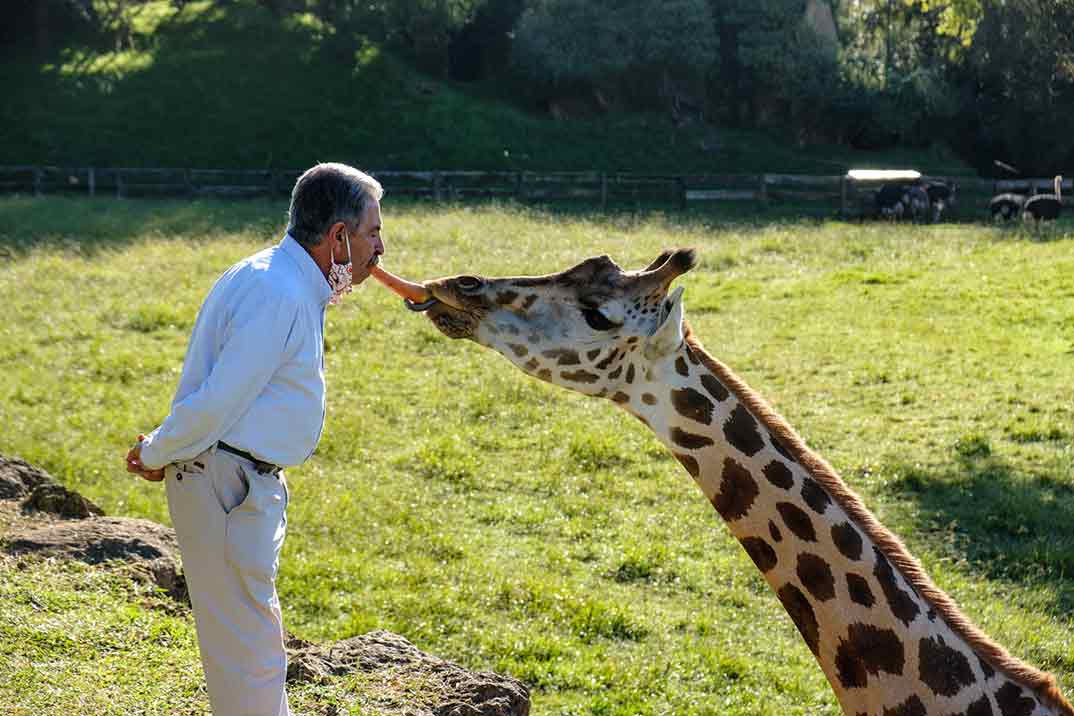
x=37, y=181
x=436, y=186
x=91, y=181
x=762, y=193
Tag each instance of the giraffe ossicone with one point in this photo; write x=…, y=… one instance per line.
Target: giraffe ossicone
x=889, y=641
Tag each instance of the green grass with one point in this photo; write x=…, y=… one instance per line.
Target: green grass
x=236, y=87
x=505, y=524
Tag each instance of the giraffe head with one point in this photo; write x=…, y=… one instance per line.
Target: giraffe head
x=572, y=328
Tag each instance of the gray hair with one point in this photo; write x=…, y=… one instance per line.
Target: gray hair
x=327, y=193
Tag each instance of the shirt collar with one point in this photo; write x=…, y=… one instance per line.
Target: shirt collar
x=309, y=268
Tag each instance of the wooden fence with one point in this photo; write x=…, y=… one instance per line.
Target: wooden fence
x=829, y=194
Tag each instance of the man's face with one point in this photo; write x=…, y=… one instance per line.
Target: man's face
x=365, y=243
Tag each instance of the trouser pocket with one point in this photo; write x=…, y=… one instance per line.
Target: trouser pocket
x=255, y=533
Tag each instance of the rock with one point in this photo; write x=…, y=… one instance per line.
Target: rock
x=150, y=549
x=466, y=693
x=58, y=500
x=18, y=478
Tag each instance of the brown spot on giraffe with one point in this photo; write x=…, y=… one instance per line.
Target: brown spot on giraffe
x=986, y=668
x=911, y=707
x=781, y=448
x=529, y=301
x=847, y=540
x=779, y=474
x=797, y=521
x=603, y=365
x=902, y=604
x=802, y=614
x=760, y=552
x=630, y=373
x=692, y=404
x=859, y=591
x=815, y=496
x=816, y=576
x=715, y=387
x=692, y=356
x=648, y=398
x=519, y=350
x=615, y=373
x=1012, y=702
x=681, y=368
x=741, y=431
x=592, y=355
x=777, y=536
x=980, y=707
x=944, y=670
x=689, y=463
x=621, y=397
x=532, y=364
x=563, y=356
x=580, y=376
x=690, y=441
x=737, y=492
x=866, y=650
x=544, y=374
x=505, y=297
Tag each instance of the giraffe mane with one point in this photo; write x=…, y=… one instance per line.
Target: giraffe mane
x=1041, y=683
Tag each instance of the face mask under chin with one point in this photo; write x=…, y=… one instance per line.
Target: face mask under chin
x=340, y=276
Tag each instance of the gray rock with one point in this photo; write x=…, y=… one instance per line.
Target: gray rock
x=58, y=500
x=466, y=693
x=18, y=478
x=148, y=548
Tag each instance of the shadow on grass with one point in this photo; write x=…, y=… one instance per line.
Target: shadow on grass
x=88, y=226
x=1006, y=524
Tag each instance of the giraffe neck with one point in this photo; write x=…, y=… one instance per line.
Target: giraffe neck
x=887, y=639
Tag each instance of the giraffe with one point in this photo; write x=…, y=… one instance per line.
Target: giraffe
x=888, y=640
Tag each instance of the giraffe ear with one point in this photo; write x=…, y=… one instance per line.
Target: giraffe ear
x=669, y=334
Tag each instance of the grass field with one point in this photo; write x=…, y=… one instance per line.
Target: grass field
x=509, y=525
x=233, y=86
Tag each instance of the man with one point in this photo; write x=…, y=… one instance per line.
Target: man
x=250, y=402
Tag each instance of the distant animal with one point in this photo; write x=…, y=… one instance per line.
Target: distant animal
x=893, y=200
x=919, y=203
x=1044, y=207
x=941, y=196
x=1006, y=206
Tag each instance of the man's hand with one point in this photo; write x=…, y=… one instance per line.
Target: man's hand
x=134, y=463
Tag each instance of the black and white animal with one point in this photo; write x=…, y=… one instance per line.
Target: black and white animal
x=919, y=203
x=893, y=201
x=1044, y=207
x=941, y=196
x=1006, y=206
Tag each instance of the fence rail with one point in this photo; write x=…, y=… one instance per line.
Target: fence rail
x=829, y=192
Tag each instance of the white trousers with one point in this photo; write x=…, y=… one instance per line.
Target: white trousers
x=230, y=521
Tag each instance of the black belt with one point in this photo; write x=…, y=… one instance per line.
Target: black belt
x=259, y=465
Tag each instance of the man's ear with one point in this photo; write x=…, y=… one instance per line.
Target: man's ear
x=669, y=334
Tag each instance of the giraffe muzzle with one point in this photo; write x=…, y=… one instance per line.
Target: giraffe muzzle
x=420, y=307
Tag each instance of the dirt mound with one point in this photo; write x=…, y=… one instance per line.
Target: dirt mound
x=465, y=693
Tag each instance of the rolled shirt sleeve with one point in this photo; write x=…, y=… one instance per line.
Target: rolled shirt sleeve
x=257, y=341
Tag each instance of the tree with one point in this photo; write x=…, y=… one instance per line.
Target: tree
x=639, y=46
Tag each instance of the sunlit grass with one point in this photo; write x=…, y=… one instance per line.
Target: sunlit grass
x=506, y=524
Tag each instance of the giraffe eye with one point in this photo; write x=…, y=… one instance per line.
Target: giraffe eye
x=468, y=284
x=597, y=320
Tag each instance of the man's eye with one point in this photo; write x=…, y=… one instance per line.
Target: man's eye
x=597, y=320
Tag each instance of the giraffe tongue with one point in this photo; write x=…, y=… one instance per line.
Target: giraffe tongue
x=413, y=292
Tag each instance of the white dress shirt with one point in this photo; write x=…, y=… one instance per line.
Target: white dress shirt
x=254, y=369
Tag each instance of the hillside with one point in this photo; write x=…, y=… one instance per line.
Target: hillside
x=209, y=87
